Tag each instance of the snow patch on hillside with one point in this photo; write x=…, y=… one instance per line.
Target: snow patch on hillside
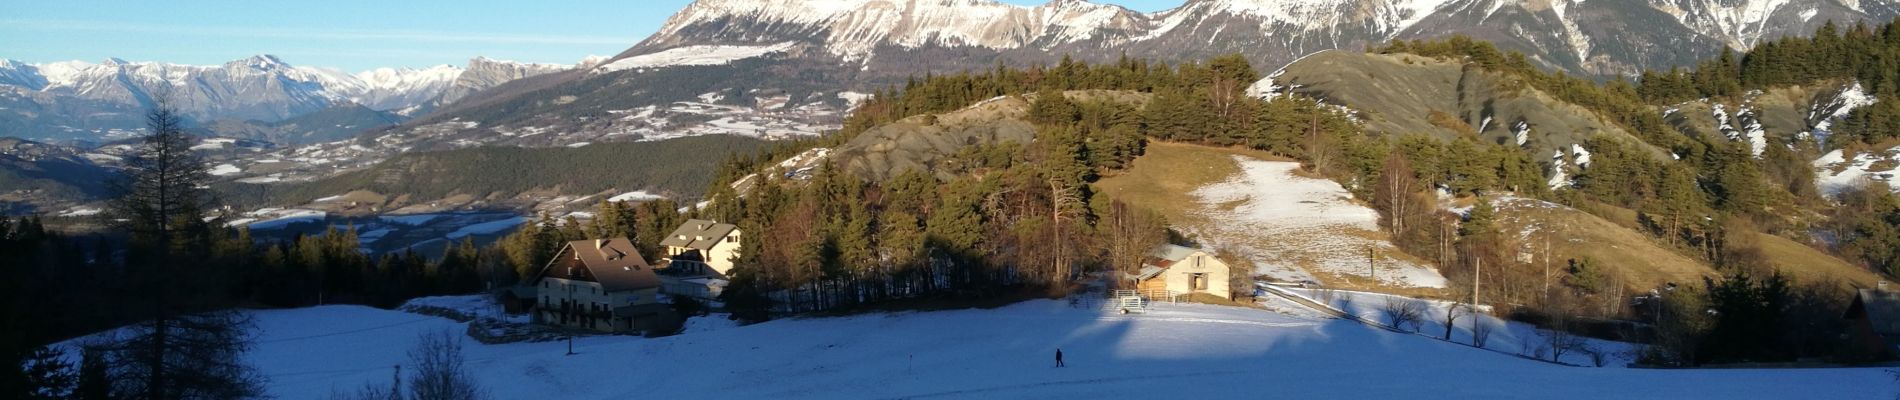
x=693, y=55
x=1559, y=176
x=410, y=219
x=1292, y=227
x=486, y=228
x=1823, y=114
x=224, y=169
x=635, y=196
x=1835, y=173
x=279, y=218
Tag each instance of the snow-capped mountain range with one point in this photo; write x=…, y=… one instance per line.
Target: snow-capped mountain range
x=1594, y=37
x=794, y=60
x=74, y=98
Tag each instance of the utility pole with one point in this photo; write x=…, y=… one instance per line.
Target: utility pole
x=1546, y=295
x=1372, y=265
x=1476, y=269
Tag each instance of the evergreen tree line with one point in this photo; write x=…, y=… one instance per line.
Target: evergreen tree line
x=665, y=166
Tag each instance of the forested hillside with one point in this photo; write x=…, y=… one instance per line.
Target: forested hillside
x=680, y=167
x=1014, y=214
x=1712, y=183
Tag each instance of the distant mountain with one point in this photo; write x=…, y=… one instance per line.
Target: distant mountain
x=104, y=101
x=484, y=73
x=801, y=63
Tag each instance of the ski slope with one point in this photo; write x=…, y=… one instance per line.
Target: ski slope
x=1175, y=351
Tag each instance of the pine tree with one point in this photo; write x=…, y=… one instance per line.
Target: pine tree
x=1482, y=221
x=181, y=351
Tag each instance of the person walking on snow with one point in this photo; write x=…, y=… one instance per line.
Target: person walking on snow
x=1058, y=358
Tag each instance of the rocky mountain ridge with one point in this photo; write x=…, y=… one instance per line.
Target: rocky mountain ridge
x=102, y=101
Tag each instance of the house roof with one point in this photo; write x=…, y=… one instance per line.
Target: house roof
x=1172, y=253
x=1148, y=272
x=1882, y=308
x=698, y=234
x=614, y=263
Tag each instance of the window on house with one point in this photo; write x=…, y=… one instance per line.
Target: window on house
x=1197, y=281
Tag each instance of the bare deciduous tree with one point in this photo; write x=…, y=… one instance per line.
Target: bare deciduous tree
x=1597, y=356
x=1403, y=312
x=1395, y=191
x=1559, y=342
x=1556, y=335
x=1133, y=234
x=1457, y=309
x=440, y=373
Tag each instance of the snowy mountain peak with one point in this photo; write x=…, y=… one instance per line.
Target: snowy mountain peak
x=591, y=61
x=852, y=29
x=260, y=62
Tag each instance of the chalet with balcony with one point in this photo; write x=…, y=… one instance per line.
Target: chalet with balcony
x=601, y=285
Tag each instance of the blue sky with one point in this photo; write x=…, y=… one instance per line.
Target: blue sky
x=352, y=35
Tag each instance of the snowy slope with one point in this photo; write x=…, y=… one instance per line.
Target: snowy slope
x=1176, y=351
x=1297, y=228
x=1834, y=172
x=693, y=55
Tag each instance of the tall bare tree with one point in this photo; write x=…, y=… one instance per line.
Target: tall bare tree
x=1394, y=193
x=1133, y=233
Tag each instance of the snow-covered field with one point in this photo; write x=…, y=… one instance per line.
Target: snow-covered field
x=1298, y=228
x=224, y=169
x=487, y=228
x=1505, y=336
x=1175, y=351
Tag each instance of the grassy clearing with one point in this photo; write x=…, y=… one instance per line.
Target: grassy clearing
x=1632, y=258
x=1610, y=236
x=1806, y=264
